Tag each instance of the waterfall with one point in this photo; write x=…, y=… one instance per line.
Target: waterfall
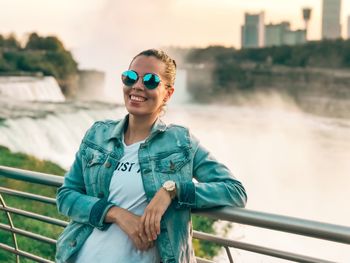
x=31, y=88
x=276, y=153
x=181, y=95
x=51, y=131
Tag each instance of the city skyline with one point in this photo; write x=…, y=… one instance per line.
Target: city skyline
x=106, y=34
x=331, y=25
x=66, y=19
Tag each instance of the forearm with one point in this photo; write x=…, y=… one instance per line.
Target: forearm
x=113, y=215
x=82, y=208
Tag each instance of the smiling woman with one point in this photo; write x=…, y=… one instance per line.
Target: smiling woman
x=131, y=184
x=147, y=95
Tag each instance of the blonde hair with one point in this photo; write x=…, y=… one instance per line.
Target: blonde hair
x=170, y=64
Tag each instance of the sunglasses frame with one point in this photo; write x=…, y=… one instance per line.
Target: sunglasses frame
x=144, y=82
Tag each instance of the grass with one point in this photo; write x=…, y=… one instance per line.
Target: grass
x=23, y=161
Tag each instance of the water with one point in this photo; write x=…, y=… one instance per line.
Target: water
x=290, y=162
x=31, y=88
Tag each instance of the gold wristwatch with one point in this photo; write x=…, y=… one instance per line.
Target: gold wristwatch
x=170, y=187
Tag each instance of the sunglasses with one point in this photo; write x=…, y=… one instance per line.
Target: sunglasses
x=149, y=80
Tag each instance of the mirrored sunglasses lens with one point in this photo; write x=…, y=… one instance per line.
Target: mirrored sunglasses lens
x=129, y=77
x=151, y=81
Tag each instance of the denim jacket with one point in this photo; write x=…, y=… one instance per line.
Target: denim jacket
x=169, y=153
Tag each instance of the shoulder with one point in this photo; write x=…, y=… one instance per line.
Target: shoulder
x=104, y=124
x=177, y=131
x=101, y=129
x=181, y=133
x=177, y=128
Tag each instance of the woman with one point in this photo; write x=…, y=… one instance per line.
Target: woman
x=130, y=192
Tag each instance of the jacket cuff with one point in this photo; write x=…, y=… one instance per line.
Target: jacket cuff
x=98, y=213
x=186, y=195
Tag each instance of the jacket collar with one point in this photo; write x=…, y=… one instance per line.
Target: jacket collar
x=117, y=132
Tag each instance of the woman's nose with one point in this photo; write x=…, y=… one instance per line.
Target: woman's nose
x=138, y=85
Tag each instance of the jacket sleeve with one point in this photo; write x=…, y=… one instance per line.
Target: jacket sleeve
x=72, y=200
x=216, y=185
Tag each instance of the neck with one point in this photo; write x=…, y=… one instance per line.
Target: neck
x=139, y=128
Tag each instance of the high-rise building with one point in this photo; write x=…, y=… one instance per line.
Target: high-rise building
x=281, y=34
x=348, y=27
x=253, y=31
x=331, y=28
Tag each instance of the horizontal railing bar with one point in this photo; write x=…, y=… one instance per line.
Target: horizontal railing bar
x=39, y=198
x=42, y=218
x=24, y=254
x=288, y=224
x=28, y=234
x=31, y=177
x=258, y=249
x=260, y=219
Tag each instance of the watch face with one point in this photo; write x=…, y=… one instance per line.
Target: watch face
x=169, y=185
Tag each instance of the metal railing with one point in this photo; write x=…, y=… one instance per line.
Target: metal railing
x=319, y=230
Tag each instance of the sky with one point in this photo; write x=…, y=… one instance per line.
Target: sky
x=106, y=34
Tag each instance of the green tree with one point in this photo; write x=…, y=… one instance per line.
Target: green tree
x=50, y=43
x=10, y=42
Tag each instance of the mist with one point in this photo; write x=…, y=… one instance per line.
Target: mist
x=291, y=163
x=119, y=31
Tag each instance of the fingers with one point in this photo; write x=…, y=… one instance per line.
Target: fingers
x=148, y=227
x=151, y=224
x=141, y=242
x=153, y=227
x=157, y=224
x=143, y=238
x=153, y=214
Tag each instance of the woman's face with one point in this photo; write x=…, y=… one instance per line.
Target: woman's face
x=139, y=100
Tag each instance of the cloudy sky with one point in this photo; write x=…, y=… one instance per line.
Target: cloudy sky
x=105, y=34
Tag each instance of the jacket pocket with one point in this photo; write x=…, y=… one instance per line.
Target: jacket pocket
x=171, y=162
x=94, y=160
x=95, y=157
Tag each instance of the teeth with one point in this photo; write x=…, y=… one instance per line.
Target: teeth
x=137, y=98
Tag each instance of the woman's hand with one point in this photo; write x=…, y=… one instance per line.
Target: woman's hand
x=150, y=221
x=130, y=224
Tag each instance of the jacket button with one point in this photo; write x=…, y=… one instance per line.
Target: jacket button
x=101, y=195
x=73, y=243
x=147, y=170
x=108, y=165
x=172, y=165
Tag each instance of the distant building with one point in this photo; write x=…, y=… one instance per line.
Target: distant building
x=348, y=27
x=331, y=28
x=253, y=31
x=274, y=34
x=295, y=37
x=281, y=34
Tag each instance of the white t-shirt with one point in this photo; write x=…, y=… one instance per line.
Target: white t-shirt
x=126, y=191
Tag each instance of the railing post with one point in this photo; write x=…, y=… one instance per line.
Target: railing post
x=9, y=219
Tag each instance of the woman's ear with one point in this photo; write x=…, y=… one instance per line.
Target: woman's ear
x=169, y=93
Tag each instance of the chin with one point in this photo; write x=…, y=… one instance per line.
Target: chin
x=137, y=111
